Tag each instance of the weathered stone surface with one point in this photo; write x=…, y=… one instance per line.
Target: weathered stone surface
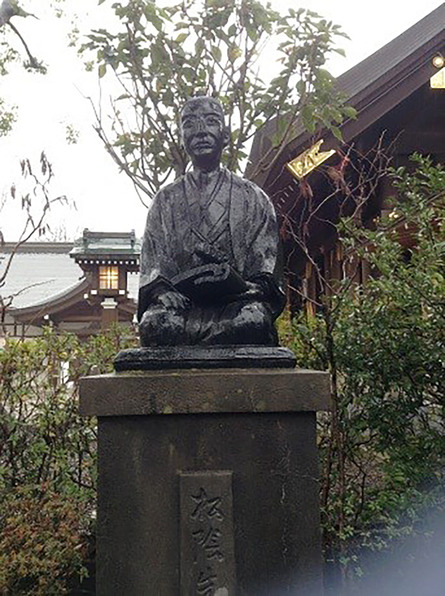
x=206, y=391
x=179, y=357
x=156, y=426
x=207, y=540
x=275, y=499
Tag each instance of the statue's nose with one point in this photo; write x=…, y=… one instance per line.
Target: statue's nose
x=200, y=126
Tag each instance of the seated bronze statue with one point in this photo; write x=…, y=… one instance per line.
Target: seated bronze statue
x=209, y=253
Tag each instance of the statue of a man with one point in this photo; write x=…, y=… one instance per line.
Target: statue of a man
x=209, y=253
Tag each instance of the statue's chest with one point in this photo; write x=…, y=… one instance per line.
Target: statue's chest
x=206, y=219
x=208, y=207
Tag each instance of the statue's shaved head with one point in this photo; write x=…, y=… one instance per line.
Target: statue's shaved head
x=196, y=103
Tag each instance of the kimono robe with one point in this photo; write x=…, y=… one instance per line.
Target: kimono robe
x=202, y=213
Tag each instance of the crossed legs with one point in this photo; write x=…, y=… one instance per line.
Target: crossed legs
x=235, y=323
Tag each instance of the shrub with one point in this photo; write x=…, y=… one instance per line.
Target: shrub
x=42, y=541
x=47, y=457
x=383, y=445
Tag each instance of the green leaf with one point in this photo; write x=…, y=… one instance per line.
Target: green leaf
x=181, y=37
x=350, y=112
x=102, y=70
x=337, y=133
x=216, y=53
x=301, y=87
x=307, y=116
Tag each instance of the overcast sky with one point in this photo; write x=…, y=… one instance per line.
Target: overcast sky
x=105, y=199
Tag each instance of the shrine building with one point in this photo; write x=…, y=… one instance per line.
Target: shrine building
x=81, y=288
x=398, y=94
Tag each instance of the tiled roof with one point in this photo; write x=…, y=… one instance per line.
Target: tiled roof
x=106, y=243
x=42, y=272
x=36, y=277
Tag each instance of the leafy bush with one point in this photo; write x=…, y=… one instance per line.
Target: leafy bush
x=383, y=445
x=47, y=457
x=42, y=542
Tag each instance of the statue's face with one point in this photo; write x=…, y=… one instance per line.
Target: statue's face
x=203, y=131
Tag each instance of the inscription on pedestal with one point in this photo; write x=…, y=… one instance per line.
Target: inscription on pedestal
x=207, y=544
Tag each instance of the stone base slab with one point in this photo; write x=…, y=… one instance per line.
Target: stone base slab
x=214, y=357
x=207, y=391
x=243, y=442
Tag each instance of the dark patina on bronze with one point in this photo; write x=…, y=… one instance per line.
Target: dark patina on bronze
x=209, y=261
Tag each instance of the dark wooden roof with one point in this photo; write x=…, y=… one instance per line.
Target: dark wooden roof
x=373, y=87
x=421, y=40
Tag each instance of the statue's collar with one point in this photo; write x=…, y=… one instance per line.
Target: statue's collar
x=198, y=175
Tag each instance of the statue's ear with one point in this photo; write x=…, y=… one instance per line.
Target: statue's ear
x=181, y=140
x=226, y=136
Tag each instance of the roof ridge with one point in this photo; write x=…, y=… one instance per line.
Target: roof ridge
x=39, y=247
x=396, y=51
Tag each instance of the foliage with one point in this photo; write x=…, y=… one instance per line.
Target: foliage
x=11, y=9
x=8, y=55
x=383, y=447
x=41, y=541
x=7, y=118
x=47, y=457
x=14, y=47
x=163, y=55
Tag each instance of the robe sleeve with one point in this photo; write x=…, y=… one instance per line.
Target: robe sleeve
x=156, y=262
x=262, y=248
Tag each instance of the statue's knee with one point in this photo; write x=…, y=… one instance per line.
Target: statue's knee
x=160, y=326
x=253, y=315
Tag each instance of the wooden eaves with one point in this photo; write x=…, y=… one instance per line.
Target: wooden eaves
x=373, y=87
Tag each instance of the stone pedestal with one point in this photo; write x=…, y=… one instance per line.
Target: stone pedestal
x=208, y=481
